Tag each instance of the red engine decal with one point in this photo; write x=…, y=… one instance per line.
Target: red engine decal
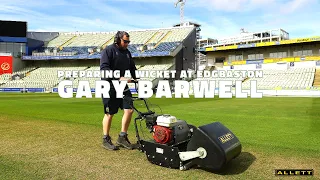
x=162, y=134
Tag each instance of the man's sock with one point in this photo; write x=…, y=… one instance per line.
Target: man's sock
x=105, y=136
x=123, y=134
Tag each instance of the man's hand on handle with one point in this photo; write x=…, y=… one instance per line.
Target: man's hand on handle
x=129, y=80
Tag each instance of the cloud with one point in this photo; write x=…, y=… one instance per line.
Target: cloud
x=146, y=1
x=226, y=5
x=242, y=6
x=296, y=5
x=44, y=21
x=225, y=18
x=218, y=18
x=134, y=19
x=36, y=3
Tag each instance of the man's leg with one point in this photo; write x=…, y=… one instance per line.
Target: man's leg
x=106, y=124
x=123, y=137
x=126, y=119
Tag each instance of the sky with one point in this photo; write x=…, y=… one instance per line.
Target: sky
x=218, y=18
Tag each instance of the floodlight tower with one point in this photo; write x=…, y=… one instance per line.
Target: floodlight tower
x=182, y=3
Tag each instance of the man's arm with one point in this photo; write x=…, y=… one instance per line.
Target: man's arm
x=133, y=68
x=105, y=62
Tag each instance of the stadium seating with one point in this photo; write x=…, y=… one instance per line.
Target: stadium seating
x=90, y=39
x=295, y=78
x=165, y=46
x=139, y=67
x=141, y=37
x=43, y=77
x=316, y=82
x=216, y=79
x=155, y=40
x=46, y=77
x=4, y=78
x=133, y=48
x=60, y=40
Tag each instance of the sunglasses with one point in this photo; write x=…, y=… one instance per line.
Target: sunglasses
x=126, y=41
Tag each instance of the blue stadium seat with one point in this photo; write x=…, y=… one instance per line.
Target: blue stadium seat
x=79, y=50
x=165, y=47
x=133, y=47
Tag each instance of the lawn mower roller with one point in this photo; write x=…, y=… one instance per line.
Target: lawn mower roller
x=179, y=145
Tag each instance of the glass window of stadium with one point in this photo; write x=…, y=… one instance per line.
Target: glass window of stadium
x=16, y=49
x=272, y=55
x=255, y=56
x=297, y=53
x=239, y=57
x=307, y=52
x=251, y=56
x=259, y=56
x=232, y=58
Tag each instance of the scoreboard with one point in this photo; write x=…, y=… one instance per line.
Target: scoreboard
x=13, y=29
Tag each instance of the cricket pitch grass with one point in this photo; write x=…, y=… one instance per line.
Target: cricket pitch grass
x=46, y=137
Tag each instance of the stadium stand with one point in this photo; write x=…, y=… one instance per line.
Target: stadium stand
x=4, y=78
x=157, y=40
x=139, y=67
x=42, y=77
x=153, y=41
x=216, y=79
x=316, y=82
x=47, y=76
x=295, y=78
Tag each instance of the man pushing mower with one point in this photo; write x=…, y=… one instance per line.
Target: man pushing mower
x=175, y=143
x=117, y=57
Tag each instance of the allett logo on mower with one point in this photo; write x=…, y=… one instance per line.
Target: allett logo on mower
x=176, y=144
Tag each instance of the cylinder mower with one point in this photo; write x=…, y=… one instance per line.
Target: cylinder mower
x=176, y=144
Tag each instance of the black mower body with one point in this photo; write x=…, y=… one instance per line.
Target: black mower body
x=217, y=141
x=220, y=143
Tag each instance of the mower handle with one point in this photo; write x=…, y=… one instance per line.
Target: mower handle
x=147, y=113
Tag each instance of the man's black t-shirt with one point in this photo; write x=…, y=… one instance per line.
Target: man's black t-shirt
x=113, y=58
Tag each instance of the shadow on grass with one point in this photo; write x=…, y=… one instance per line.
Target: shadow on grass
x=236, y=166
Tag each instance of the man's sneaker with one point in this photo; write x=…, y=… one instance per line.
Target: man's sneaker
x=123, y=141
x=107, y=144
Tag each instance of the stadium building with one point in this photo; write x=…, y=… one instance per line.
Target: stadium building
x=35, y=67
x=30, y=61
x=201, y=58
x=286, y=63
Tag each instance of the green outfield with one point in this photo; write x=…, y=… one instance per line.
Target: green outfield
x=46, y=137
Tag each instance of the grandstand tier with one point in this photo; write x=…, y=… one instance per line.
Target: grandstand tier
x=316, y=82
x=142, y=41
x=161, y=49
x=260, y=48
x=46, y=76
x=273, y=79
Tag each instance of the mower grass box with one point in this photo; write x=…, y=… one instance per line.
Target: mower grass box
x=203, y=148
x=177, y=144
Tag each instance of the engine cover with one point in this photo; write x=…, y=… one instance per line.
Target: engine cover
x=181, y=131
x=176, y=133
x=162, y=135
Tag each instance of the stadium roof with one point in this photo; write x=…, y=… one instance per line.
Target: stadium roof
x=88, y=45
x=187, y=24
x=260, y=44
